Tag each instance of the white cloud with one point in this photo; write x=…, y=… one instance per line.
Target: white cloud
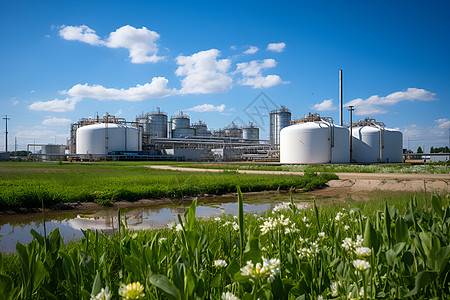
x=233, y=47
x=207, y=108
x=251, y=73
x=81, y=33
x=204, y=74
x=251, y=50
x=443, y=123
x=371, y=105
x=55, y=105
x=140, y=42
x=276, y=47
x=53, y=121
x=325, y=105
x=156, y=89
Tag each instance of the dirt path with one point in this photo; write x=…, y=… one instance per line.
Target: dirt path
x=355, y=182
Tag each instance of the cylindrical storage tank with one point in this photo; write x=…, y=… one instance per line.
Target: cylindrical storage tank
x=393, y=146
x=279, y=119
x=103, y=138
x=233, y=131
x=201, y=129
x=250, y=133
x=314, y=143
x=367, y=144
x=54, y=149
x=183, y=132
x=180, y=120
x=158, y=124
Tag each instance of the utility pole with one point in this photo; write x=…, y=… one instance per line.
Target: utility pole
x=351, y=109
x=6, y=138
x=15, y=146
x=341, y=99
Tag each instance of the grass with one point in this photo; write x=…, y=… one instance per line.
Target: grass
x=30, y=184
x=391, y=248
x=432, y=168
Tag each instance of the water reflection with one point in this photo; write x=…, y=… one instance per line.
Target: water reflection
x=17, y=229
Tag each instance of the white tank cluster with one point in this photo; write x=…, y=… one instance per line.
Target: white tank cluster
x=316, y=140
x=103, y=138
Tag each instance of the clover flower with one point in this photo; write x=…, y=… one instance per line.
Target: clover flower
x=132, y=291
x=104, y=294
x=269, y=268
x=363, y=251
x=334, y=288
x=361, y=265
x=229, y=296
x=220, y=263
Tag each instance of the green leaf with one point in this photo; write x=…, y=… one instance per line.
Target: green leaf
x=97, y=287
x=422, y=280
x=162, y=282
x=401, y=230
x=252, y=252
x=233, y=268
x=189, y=215
x=37, y=236
x=241, y=222
x=387, y=222
x=6, y=285
x=216, y=281
x=437, y=206
x=370, y=237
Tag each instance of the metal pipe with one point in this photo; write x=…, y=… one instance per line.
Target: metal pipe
x=341, y=100
x=351, y=109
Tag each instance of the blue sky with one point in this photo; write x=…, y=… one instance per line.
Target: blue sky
x=61, y=61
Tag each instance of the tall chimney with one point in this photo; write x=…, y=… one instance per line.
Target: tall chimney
x=341, y=100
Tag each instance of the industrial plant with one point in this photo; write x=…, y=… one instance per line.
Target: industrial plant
x=312, y=139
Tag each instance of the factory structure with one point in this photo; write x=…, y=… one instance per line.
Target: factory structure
x=156, y=136
x=312, y=139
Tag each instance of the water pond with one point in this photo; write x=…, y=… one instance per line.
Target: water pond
x=16, y=228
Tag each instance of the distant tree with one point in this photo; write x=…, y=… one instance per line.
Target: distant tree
x=432, y=149
x=419, y=150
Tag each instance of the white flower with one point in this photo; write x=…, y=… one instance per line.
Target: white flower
x=178, y=227
x=236, y=226
x=359, y=241
x=363, y=251
x=347, y=244
x=217, y=219
x=270, y=268
x=132, y=291
x=346, y=227
x=320, y=297
x=321, y=234
x=105, y=294
x=334, y=288
x=229, y=296
x=361, y=265
x=361, y=292
x=161, y=240
x=220, y=263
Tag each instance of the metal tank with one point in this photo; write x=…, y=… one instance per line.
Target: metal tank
x=158, y=124
x=250, y=132
x=393, y=146
x=53, y=152
x=233, y=131
x=314, y=143
x=183, y=132
x=201, y=129
x=279, y=119
x=180, y=121
x=367, y=144
x=103, y=138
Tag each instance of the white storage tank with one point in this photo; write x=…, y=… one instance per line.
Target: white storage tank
x=367, y=144
x=393, y=146
x=314, y=143
x=103, y=138
x=372, y=144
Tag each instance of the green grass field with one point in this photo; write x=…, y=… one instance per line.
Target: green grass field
x=27, y=184
x=392, y=248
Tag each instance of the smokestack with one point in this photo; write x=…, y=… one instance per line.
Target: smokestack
x=341, y=100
